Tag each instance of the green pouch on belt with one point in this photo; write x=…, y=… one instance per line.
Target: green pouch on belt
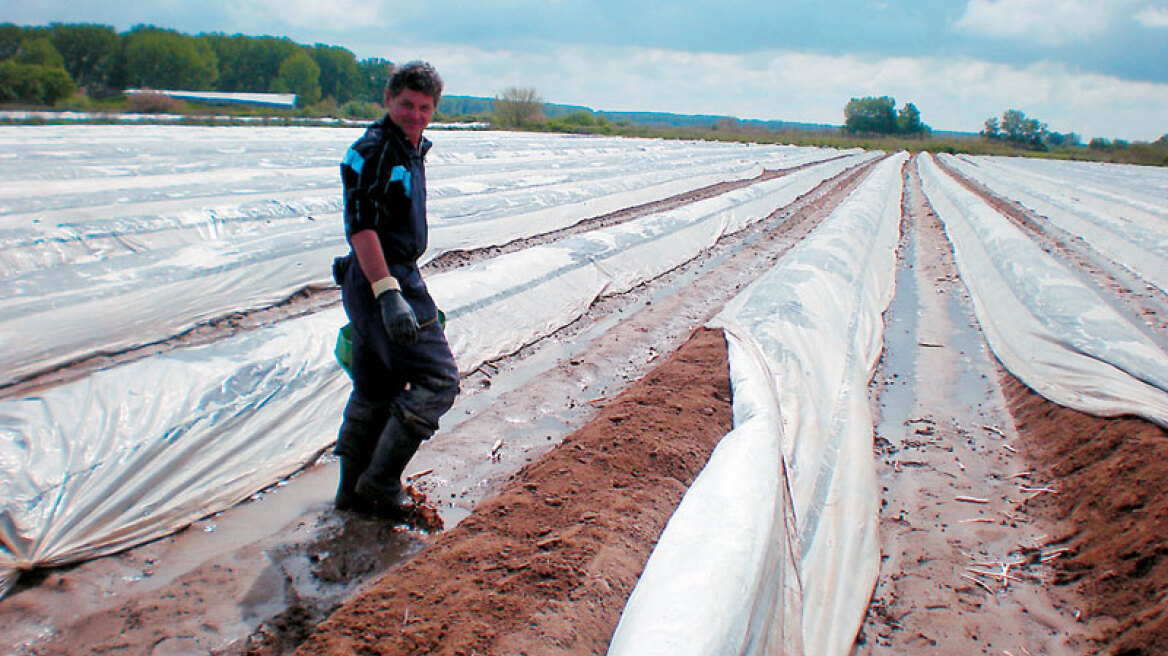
x=344, y=348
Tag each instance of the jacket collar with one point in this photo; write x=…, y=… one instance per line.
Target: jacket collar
x=390, y=127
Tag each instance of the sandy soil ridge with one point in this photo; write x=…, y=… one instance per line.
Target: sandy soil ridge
x=545, y=566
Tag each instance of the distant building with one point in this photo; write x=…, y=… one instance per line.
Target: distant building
x=221, y=98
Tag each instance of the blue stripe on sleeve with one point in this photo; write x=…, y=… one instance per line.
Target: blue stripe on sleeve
x=353, y=160
x=400, y=174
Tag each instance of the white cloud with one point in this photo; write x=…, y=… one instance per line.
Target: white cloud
x=1048, y=22
x=1151, y=16
x=952, y=94
x=308, y=14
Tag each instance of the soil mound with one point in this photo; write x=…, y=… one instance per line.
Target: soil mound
x=547, y=565
x=1111, y=511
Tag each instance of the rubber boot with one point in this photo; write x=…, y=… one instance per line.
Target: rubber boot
x=381, y=483
x=347, y=497
x=360, y=429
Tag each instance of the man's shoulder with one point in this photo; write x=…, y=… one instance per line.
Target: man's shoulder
x=376, y=147
x=375, y=138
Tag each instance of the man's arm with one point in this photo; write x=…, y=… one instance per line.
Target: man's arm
x=368, y=249
x=396, y=313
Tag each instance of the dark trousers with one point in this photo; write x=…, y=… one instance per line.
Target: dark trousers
x=417, y=384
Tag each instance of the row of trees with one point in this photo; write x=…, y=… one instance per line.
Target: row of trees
x=100, y=61
x=1021, y=131
x=879, y=116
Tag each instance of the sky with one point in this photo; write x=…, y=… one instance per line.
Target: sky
x=1098, y=68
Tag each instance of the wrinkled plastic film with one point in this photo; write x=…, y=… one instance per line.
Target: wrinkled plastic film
x=134, y=452
x=814, y=324
x=1051, y=330
x=1128, y=232
x=723, y=577
x=115, y=237
x=498, y=306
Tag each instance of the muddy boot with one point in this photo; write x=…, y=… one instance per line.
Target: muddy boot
x=380, y=483
x=362, y=426
x=347, y=497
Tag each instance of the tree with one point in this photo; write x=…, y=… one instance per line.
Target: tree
x=90, y=52
x=1016, y=128
x=908, y=121
x=40, y=52
x=1022, y=131
x=249, y=63
x=727, y=124
x=300, y=75
x=340, y=77
x=11, y=36
x=164, y=59
x=871, y=115
x=992, y=129
x=1099, y=143
x=1059, y=140
x=517, y=107
x=374, y=76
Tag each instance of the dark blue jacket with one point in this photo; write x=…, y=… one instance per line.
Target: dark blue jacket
x=384, y=180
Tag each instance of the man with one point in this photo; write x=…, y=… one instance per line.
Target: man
x=404, y=376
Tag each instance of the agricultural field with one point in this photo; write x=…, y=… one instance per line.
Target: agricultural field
x=716, y=397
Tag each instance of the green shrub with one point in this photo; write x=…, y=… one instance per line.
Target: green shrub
x=34, y=84
x=360, y=109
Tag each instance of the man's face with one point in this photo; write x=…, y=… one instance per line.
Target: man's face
x=411, y=111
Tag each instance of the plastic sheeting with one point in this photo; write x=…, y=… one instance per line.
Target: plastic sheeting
x=1129, y=230
x=723, y=577
x=1051, y=330
x=1145, y=187
x=547, y=287
x=773, y=549
x=138, y=451
x=142, y=449
x=114, y=237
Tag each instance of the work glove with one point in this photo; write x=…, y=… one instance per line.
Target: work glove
x=400, y=323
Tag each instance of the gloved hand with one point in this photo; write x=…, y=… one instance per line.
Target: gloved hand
x=400, y=323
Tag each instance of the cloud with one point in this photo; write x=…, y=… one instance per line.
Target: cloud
x=952, y=93
x=1151, y=16
x=1048, y=22
x=335, y=15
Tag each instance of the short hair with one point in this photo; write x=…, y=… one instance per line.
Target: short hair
x=415, y=76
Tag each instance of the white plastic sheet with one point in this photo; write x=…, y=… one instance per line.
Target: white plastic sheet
x=117, y=236
x=136, y=451
x=723, y=578
x=1128, y=231
x=510, y=301
x=1051, y=330
x=805, y=339
x=1145, y=187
